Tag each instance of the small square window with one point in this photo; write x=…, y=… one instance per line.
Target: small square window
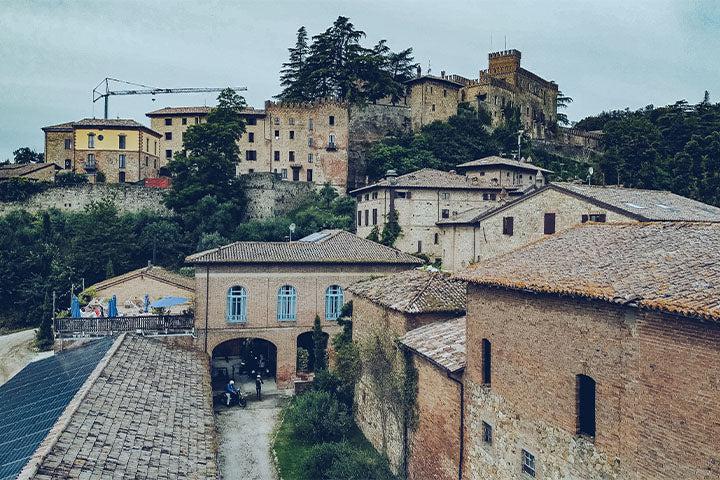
x=292, y=134
x=528, y=463
x=487, y=433
x=276, y=155
x=184, y=120
x=277, y=134
x=168, y=135
x=291, y=121
x=291, y=156
x=276, y=121
x=445, y=213
x=251, y=137
x=68, y=144
x=168, y=121
x=433, y=107
x=331, y=119
x=168, y=153
x=310, y=157
x=283, y=173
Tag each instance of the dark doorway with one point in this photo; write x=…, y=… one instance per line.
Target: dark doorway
x=305, y=341
x=241, y=359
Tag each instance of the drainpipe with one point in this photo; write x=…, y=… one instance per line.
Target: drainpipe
x=462, y=423
x=207, y=303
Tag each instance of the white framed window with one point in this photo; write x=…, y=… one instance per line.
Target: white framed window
x=121, y=160
x=91, y=140
x=283, y=173
x=528, y=463
x=237, y=304
x=310, y=157
x=334, y=300
x=287, y=304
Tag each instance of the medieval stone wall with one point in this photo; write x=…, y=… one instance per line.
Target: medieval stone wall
x=126, y=198
x=268, y=196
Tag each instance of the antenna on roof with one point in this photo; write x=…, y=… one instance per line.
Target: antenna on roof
x=428, y=72
x=505, y=42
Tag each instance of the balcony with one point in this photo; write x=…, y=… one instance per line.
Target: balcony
x=90, y=166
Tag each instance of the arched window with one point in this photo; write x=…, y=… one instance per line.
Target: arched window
x=237, y=304
x=333, y=302
x=287, y=303
x=585, y=405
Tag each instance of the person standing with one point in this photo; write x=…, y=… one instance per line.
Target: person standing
x=258, y=386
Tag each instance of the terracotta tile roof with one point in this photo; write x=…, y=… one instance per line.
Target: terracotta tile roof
x=414, y=291
x=668, y=266
x=428, y=178
x=147, y=413
x=108, y=122
x=494, y=160
x=61, y=127
x=326, y=246
x=646, y=205
x=15, y=171
x=152, y=271
x=442, y=343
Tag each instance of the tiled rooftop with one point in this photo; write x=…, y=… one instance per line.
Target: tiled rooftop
x=427, y=178
x=327, y=246
x=414, y=291
x=148, y=415
x=673, y=267
x=494, y=160
x=152, y=271
x=61, y=127
x=108, y=122
x=647, y=205
x=180, y=111
x=442, y=343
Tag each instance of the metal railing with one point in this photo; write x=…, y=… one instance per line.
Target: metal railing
x=103, y=326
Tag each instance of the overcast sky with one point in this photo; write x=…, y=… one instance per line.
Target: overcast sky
x=605, y=54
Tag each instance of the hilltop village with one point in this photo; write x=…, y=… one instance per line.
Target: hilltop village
x=492, y=320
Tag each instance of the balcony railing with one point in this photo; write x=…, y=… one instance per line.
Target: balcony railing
x=90, y=166
x=104, y=326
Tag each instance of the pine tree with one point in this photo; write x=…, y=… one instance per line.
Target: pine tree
x=293, y=73
x=319, y=346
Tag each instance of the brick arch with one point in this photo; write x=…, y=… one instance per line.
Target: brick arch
x=215, y=339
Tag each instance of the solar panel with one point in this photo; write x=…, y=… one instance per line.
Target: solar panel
x=32, y=401
x=315, y=237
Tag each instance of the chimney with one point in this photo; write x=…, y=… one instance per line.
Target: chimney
x=418, y=71
x=391, y=177
x=442, y=73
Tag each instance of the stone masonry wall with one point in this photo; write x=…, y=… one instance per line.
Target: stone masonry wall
x=127, y=198
x=268, y=196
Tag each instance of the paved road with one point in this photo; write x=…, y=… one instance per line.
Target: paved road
x=244, y=450
x=15, y=352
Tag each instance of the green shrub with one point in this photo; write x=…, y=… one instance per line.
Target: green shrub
x=70, y=178
x=344, y=461
x=20, y=189
x=318, y=417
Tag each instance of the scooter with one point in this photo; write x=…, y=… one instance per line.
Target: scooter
x=230, y=399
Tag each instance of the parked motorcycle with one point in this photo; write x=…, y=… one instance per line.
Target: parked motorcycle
x=234, y=399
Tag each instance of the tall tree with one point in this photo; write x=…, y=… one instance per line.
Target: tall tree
x=292, y=75
x=562, y=102
x=319, y=346
x=26, y=155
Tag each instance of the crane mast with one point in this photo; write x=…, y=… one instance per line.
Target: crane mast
x=103, y=91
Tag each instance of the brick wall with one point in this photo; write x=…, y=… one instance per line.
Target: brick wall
x=655, y=392
x=435, y=441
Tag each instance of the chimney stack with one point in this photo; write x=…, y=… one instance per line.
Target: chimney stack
x=391, y=177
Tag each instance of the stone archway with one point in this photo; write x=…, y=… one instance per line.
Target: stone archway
x=241, y=359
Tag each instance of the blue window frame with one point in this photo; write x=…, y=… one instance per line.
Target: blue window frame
x=237, y=305
x=287, y=303
x=333, y=302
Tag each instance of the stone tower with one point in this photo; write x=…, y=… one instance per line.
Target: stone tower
x=505, y=65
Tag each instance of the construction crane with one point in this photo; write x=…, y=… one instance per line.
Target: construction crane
x=102, y=90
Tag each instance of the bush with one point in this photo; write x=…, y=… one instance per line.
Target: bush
x=344, y=461
x=71, y=178
x=318, y=417
x=20, y=189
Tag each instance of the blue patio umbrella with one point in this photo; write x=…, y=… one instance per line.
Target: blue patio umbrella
x=75, y=307
x=166, y=302
x=112, y=307
x=146, y=304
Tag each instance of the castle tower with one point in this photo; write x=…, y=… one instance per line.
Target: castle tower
x=505, y=65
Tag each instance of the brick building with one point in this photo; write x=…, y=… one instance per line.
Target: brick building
x=121, y=149
x=31, y=171
x=421, y=199
x=426, y=304
x=592, y=355
x=505, y=84
x=270, y=292
x=488, y=231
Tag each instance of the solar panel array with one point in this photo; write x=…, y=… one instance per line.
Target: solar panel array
x=32, y=401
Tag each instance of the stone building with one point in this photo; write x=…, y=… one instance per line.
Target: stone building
x=421, y=199
x=171, y=123
x=428, y=305
x=269, y=293
x=31, y=171
x=122, y=149
x=505, y=84
x=487, y=232
x=503, y=172
x=592, y=354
